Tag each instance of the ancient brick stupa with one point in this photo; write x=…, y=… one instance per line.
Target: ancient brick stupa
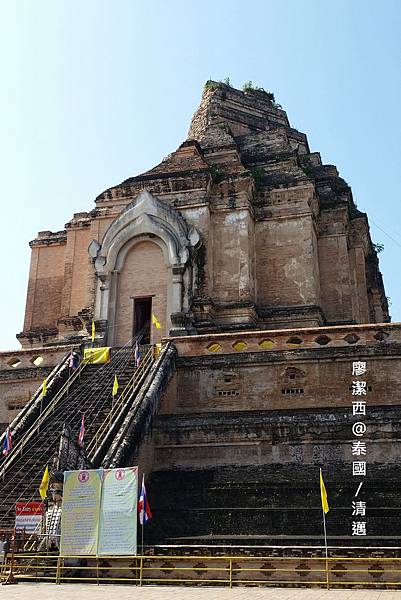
x=240, y=228
x=262, y=274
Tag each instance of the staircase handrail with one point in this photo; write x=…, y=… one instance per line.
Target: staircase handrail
x=86, y=361
x=143, y=408
x=41, y=418
x=123, y=401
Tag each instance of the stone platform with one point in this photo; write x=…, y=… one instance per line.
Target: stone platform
x=43, y=591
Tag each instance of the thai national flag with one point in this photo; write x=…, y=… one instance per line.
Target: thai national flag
x=137, y=355
x=145, y=514
x=8, y=444
x=81, y=432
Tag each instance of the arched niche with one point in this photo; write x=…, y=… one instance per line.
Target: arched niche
x=146, y=219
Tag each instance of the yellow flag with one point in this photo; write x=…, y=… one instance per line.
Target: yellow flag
x=44, y=486
x=115, y=385
x=323, y=493
x=155, y=322
x=44, y=387
x=97, y=356
x=93, y=331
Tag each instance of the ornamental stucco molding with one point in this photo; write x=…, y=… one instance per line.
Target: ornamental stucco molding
x=146, y=215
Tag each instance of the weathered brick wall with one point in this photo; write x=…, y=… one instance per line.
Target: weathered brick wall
x=45, y=286
x=272, y=504
x=335, y=278
x=233, y=248
x=98, y=228
x=16, y=391
x=227, y=104
x=201, y=218
x=76, y=272
x=285, y=397
x=20, y=378
x=292, y=437
x=285, y=254
x=239, y=459
x=282, y=243
x=144, y=274
x=283, y=382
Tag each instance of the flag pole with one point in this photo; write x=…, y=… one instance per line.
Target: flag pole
x=40, y=413
x=325, y=543
x=44, y=392
x=143, y=509
x=327, y=557
x=111, y=411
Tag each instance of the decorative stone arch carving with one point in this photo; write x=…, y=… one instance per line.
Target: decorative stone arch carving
x=293, y=373
x=147, y=219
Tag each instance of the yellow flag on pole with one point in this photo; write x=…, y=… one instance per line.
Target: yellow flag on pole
x=323, y=493
x=93, y=331
x=97, y=356
x=44, y=387
x=155, y=322
x=115, y=385
x=44, y=486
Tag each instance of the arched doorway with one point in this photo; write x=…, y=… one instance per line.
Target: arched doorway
x=146, y=255
x=141, y=291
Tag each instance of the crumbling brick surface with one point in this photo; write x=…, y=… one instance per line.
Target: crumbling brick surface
x=279, y=231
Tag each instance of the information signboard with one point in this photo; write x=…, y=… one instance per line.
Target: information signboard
x=80, y=512
x=28, y=516
x=118, y=512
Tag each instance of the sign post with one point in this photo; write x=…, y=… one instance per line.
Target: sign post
x=28, y=516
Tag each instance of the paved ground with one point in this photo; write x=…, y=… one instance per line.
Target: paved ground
x=45, y=591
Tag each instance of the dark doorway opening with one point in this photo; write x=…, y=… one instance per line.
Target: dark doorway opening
x=142, y=317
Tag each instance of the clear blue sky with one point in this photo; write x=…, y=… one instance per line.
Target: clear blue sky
x=96, y=91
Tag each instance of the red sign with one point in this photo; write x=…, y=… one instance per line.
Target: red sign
x=28, y=516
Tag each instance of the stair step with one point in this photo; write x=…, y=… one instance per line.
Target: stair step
x=91, y=394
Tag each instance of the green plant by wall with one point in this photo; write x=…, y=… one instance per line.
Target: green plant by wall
x=308, y=170
x=258, y=175
x=216, y=174
x=214, y=85
x=249, y=87
x=378, y=248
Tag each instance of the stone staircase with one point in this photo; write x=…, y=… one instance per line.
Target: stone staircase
x=89, y=395
x=117, y=426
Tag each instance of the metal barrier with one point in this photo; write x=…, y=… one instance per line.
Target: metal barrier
x=12, y=539
x=229, y=571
